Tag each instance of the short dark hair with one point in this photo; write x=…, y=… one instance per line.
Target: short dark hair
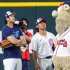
x=37, y=29
x=22, y=20
x=21, y=23
x=6, y=20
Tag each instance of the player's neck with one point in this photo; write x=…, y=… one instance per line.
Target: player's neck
x=43, y=32
x=10, y=25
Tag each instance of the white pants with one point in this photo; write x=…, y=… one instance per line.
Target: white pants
x=12, y=64
x=45, y=64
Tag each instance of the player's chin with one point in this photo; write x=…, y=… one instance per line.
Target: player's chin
x=43, y=28
x=13, y=21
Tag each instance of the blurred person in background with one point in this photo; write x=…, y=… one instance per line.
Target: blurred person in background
x=25, y=49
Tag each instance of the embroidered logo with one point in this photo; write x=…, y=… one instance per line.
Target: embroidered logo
x=16, y=34
x=51, y=42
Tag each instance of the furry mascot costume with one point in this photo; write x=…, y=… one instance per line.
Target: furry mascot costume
x=61, y=58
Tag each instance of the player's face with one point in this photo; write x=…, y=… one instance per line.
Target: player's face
x=24, y=22
x=41, y=25
x=12, y=18
x=24, y=25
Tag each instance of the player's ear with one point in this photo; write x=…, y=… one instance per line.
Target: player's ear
x=36, y=26
x=7, y=19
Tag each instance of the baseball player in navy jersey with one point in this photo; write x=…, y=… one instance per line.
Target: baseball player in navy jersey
x=12, y=54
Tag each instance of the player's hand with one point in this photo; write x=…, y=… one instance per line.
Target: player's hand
x=55, y=42
x=37, y=66
x=18, y=43
x=23, y=40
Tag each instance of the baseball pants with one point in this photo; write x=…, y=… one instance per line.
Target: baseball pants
x=45, y=64
x=12, y=64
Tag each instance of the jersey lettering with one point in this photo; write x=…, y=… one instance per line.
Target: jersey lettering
x=63, y=42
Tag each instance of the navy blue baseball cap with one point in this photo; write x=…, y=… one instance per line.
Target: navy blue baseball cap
x=8, y=13
x=40, y=20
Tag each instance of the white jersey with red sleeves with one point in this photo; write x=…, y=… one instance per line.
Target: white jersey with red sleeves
x=43, y=44
x=63, y=47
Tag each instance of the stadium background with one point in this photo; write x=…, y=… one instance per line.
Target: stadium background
x=37, y=8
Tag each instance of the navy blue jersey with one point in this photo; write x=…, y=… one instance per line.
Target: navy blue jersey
x=13, y=51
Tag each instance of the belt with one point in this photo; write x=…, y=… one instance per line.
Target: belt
x=48, y=57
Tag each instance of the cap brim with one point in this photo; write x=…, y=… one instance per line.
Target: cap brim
x=14, y=13
x=43, y=20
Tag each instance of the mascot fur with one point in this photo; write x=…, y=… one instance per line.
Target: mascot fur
x=61, y=57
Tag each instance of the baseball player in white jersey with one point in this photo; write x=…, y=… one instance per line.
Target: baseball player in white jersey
x=42, y=43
